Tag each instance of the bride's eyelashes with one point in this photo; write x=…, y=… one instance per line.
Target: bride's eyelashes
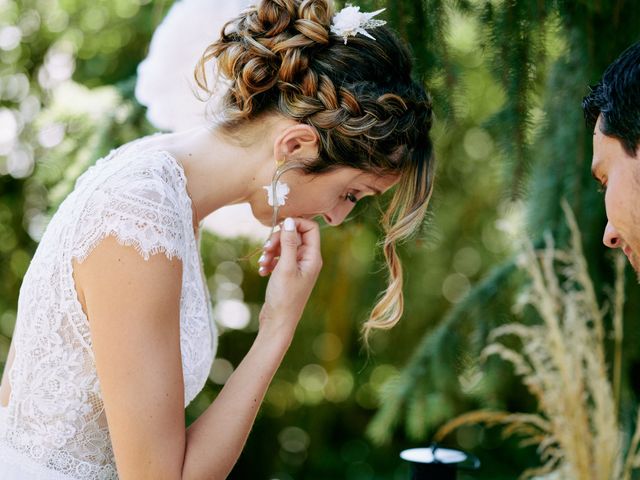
x=351, y=197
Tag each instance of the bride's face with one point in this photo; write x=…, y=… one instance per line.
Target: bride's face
x=331, y=195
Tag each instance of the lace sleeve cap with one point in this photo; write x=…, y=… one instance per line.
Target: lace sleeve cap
x=140, y=208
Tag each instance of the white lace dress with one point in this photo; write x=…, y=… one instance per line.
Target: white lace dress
x=54, y=426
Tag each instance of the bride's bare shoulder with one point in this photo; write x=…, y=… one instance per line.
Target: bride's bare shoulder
x=114, y=274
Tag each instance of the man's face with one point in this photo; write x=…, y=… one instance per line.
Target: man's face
x=619, y=174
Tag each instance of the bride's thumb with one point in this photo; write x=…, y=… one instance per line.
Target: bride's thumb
x=288, y=245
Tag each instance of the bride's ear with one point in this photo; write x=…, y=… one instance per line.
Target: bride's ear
x=299, y=141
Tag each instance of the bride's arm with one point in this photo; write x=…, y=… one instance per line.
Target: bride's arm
x=133, y=307
x=216, y=438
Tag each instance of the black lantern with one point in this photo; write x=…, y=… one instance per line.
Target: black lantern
x=435, y=463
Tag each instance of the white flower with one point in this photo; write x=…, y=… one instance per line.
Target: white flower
x=282, y=190
x=350, y=21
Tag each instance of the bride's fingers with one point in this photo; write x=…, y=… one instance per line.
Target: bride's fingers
x=309, y=238
x=273, y=243
x=272, y=265
x=267, y=266
x=270, y=252
x=307, y=251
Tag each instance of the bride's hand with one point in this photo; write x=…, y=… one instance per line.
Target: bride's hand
x=293, y=257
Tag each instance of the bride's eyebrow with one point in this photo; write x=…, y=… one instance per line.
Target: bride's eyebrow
x=374, y=189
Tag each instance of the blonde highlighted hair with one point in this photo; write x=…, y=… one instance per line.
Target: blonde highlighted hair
x=368, y=112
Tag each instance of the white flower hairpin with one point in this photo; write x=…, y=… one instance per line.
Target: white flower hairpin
x=350, y=21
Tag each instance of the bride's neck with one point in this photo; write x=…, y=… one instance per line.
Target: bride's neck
x=219, y=170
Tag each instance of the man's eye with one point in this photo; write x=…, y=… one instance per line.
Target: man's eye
x=351, y=197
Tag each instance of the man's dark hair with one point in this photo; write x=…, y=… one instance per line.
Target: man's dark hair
x=617, y=99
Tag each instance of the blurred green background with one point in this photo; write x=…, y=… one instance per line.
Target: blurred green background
x=507, y=78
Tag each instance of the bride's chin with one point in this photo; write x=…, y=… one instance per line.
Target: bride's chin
x=265, y=217
x=264, y=222
x=262, y=219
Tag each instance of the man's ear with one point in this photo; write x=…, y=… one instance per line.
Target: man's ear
x=299, y=141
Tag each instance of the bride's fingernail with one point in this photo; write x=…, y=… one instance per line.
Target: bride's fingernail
x=262, y=258
x=262, y=270
x=267, y=244
x=289, y=224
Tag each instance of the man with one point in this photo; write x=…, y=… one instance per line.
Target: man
x=612, y=109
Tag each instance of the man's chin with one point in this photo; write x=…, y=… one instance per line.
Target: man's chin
x=635, y=264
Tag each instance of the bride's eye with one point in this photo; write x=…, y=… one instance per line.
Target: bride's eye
x=351, y=197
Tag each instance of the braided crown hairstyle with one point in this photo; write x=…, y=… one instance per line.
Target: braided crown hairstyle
x=280, y=56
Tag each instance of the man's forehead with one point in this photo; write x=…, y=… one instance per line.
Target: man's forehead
x=596, y=161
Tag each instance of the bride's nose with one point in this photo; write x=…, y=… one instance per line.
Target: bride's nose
x=336, y=216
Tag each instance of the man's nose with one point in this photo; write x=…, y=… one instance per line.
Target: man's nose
x=611, y=236
x=336, y=216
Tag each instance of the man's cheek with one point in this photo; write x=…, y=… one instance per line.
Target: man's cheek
x=635, y=263
x=614, y=206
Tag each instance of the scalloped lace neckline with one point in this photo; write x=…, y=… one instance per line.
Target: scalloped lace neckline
x=141, y=145
x=185, y=183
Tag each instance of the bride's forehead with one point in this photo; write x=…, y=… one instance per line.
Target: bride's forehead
x=355, y=177
x=370, y=180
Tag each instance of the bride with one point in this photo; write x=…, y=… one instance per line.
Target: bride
x=114, y=333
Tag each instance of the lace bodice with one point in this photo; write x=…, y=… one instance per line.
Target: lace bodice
x=54, y=426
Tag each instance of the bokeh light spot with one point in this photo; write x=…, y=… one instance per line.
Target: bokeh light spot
x=327, y=346
x=467, y=261
x=230, y=270
x=478, y=144
x=339, y=385
x=9, y=128
x=51, y=135
x=233, y=314
x=221, y=370
x=455, y=287
x=20, y=162
x=294, y=439
x=313, y=377
x=10, y=37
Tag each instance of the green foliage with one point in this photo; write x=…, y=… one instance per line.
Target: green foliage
x=544, y=54
x=561, y=361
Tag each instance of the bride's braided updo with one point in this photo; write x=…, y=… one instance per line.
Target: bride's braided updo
x=280, y=56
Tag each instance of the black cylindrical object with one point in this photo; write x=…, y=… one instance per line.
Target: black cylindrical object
x=435, y=463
